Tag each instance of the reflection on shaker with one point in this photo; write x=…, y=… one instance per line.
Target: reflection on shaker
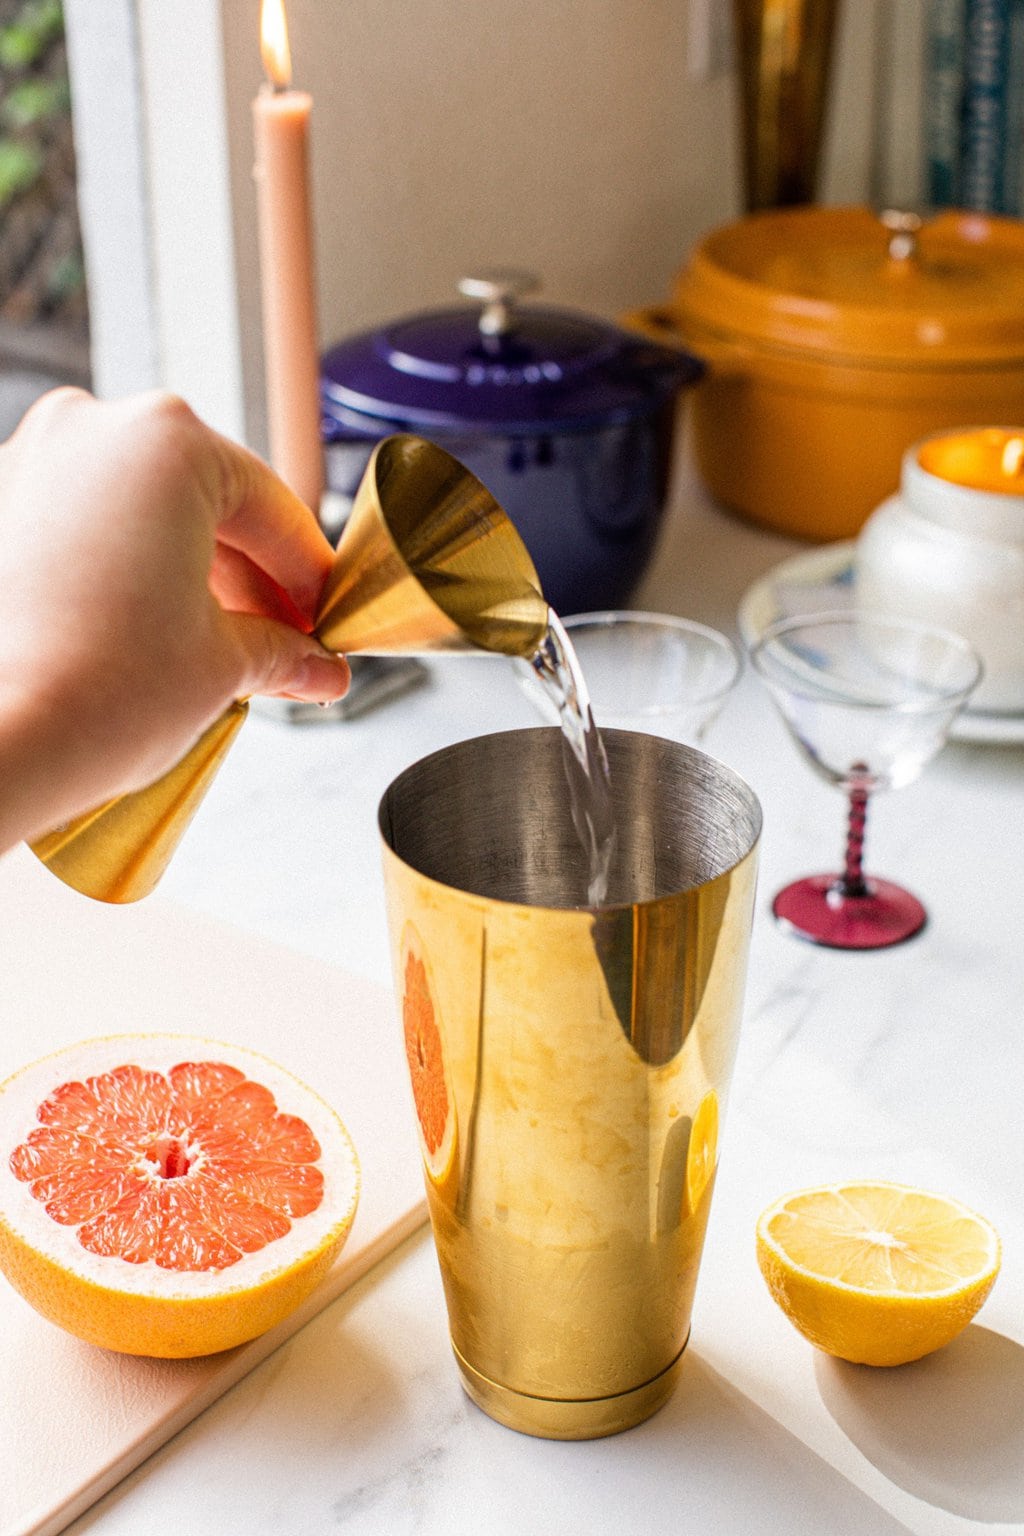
x=426, y=1059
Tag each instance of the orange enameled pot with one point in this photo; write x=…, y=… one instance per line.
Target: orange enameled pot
x=834, y=340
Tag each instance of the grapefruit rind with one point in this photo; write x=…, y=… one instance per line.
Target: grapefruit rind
x=866, y=1325
x=438, y=1161
x=142, y=1309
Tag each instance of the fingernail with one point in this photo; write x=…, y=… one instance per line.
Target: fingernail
x=322, y=678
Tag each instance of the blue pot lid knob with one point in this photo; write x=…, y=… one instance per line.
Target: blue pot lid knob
x=498, y=288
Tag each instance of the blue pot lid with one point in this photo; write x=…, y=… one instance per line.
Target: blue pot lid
x=502, y=368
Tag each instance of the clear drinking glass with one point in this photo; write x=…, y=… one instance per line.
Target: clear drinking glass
x=649, y=672
x=869, y=700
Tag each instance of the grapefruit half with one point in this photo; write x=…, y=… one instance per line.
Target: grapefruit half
x=167, y=1195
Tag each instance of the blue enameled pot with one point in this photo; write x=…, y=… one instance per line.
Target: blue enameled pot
x=566, y=419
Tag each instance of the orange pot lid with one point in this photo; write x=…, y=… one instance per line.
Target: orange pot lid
x=840, y=284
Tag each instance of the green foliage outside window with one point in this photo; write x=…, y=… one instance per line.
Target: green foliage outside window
x=41, y=271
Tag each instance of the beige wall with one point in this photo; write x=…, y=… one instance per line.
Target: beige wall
x=560, y=135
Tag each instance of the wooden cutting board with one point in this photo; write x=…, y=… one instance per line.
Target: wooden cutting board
x=75, y=1419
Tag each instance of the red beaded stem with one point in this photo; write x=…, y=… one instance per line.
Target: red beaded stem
x=852, y=882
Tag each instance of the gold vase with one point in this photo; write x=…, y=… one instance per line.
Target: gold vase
x=784, y=50
x=569, y=1064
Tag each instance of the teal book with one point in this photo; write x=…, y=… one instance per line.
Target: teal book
x=1013, y=154
x=944, y=40
x=986, y=114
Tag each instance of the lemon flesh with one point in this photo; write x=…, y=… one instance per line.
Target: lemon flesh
x=876, y=1273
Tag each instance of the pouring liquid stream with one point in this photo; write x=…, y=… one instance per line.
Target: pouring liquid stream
x=586, y=765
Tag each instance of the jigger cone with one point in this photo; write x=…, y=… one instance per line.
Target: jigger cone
x=119, y=851
x=428, y=562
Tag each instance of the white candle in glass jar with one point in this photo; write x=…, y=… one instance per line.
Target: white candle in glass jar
x=948, y=549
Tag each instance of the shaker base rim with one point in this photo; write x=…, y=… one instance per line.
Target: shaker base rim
x=570, y=1418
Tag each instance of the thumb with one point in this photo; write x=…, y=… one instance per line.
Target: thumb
x=277, y=659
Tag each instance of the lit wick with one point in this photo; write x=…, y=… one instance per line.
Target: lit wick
x=274, y=49
x=1013, y=457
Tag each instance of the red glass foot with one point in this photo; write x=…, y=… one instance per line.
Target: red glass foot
x=816, y=909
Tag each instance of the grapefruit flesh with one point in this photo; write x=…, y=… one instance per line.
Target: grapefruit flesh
x=163, y=1195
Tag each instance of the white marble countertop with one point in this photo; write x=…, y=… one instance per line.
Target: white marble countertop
x=906, y=1064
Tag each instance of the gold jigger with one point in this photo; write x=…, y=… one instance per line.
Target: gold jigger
x=428, y=562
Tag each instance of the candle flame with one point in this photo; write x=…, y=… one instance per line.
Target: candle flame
x=1013, y=457
x=277, y=58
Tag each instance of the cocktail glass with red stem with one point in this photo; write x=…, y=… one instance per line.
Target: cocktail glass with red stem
x=869, y=701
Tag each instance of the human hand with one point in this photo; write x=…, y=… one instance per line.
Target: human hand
x=150, y=572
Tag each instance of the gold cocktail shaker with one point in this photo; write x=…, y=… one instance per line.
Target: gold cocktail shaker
x=569, y=1063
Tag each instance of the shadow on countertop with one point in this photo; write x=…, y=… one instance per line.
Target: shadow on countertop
x=949, y=1428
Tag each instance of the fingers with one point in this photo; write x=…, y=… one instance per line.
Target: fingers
x=262, y=529
x=242, y=587
x=277, y=659
x=264, y=521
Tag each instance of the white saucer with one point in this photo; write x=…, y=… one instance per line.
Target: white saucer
x=822, y=580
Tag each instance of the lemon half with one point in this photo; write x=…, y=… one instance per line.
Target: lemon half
x=876, y=1273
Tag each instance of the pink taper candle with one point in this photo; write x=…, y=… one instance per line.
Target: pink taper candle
x=281, y=130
